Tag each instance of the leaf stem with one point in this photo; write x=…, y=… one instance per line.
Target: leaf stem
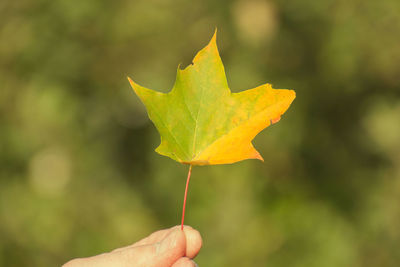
x=184, y=199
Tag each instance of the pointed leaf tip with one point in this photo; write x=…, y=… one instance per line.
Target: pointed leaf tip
x=213, y=40
x=132, y=83
x=214, y=37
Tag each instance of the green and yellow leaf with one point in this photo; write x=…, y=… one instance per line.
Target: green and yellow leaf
x=201, y=122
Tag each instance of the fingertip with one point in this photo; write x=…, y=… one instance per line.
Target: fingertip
x=194, y=241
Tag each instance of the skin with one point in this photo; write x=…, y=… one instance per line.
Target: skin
x=164, y=248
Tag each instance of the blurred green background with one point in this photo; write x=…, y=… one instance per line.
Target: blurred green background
x=78, y=171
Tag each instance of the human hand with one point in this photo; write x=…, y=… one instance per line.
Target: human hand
x=164, y=248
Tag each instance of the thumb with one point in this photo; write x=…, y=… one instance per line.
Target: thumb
x=170, y=249
x=160, y=254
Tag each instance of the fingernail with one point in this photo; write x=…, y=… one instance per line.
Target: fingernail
x=195, y=264
x=169, y=242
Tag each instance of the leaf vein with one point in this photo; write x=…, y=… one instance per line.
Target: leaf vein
x=196, y=121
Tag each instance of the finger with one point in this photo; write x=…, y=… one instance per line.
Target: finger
x=194, y=241
x=163, y=253
x=184, y=262
x=154, y=237
x=151, y=239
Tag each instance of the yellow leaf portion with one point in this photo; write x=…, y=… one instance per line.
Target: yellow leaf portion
x=236, y=144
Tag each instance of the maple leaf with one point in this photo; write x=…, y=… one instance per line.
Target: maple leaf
x=201, y=122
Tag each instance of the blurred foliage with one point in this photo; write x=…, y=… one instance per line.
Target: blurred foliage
x=78, y=174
